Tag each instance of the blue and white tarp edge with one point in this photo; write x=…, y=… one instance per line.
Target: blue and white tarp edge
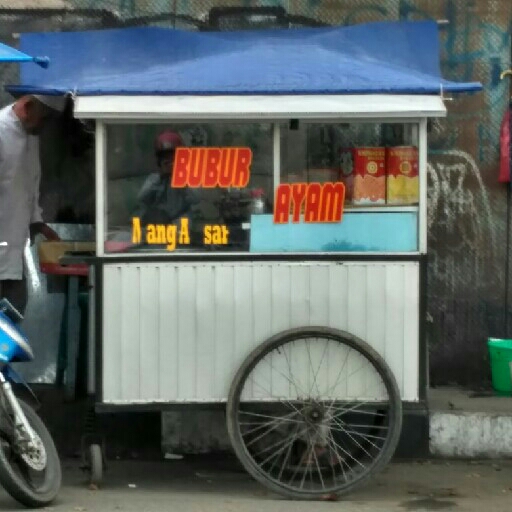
x=9, y=54
x=375, y=58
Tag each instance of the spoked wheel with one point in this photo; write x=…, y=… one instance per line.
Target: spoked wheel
x=31, y=475
x=314, y=412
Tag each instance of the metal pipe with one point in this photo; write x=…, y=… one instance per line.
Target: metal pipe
x=276, y=155
x=101, y=179
x=423, y=180
x=20, y=419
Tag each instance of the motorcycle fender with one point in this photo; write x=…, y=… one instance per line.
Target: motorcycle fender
x=13, y=376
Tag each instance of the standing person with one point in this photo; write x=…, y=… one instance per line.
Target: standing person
x=20, y=174
x=157, y=201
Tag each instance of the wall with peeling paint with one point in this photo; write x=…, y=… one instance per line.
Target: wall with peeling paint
x=469, y=282
x=468, y=285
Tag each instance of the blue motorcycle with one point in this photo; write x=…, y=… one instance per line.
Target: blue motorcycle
x=30, y=468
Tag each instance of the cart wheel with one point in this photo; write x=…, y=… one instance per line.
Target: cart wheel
x=95, y=464
x=314, y=412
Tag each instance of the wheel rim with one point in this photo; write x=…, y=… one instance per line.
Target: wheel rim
x=28, y=463
x=35, y=457
x=315, y=415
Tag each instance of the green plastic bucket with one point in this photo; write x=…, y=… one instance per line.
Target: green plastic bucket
x=500, y=352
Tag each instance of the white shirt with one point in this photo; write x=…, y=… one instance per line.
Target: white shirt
x=20, y=175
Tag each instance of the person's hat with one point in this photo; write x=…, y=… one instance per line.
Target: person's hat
x=57, y=103
x=168, y=141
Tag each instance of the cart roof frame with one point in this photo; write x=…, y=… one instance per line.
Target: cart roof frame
x=259, y=107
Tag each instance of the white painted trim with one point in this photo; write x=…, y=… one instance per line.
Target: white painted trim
x=306, y=256
x=422, y=217
x=259, y=107
x=277, y=155
x=240, y=120
x=464, y=434
x=101, y=174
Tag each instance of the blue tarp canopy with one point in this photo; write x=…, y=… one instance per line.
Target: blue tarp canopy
x=375, y=58
x=8, y=54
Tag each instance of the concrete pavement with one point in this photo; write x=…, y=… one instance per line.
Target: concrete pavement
x=468, y=424
x=207, y=484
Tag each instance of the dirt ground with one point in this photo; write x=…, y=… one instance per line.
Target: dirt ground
x=207, y=484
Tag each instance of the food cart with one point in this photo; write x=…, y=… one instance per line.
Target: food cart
x=290, y=289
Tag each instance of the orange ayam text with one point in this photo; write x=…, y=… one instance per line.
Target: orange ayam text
x=320, y=202
x=211, y=167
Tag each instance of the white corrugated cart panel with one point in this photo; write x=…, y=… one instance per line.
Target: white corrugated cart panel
x=178, y=332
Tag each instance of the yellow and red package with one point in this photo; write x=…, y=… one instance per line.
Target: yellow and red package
x=402, y=175
x=369, y=176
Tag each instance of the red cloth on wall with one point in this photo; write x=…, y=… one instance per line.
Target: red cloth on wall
x=504, y=176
